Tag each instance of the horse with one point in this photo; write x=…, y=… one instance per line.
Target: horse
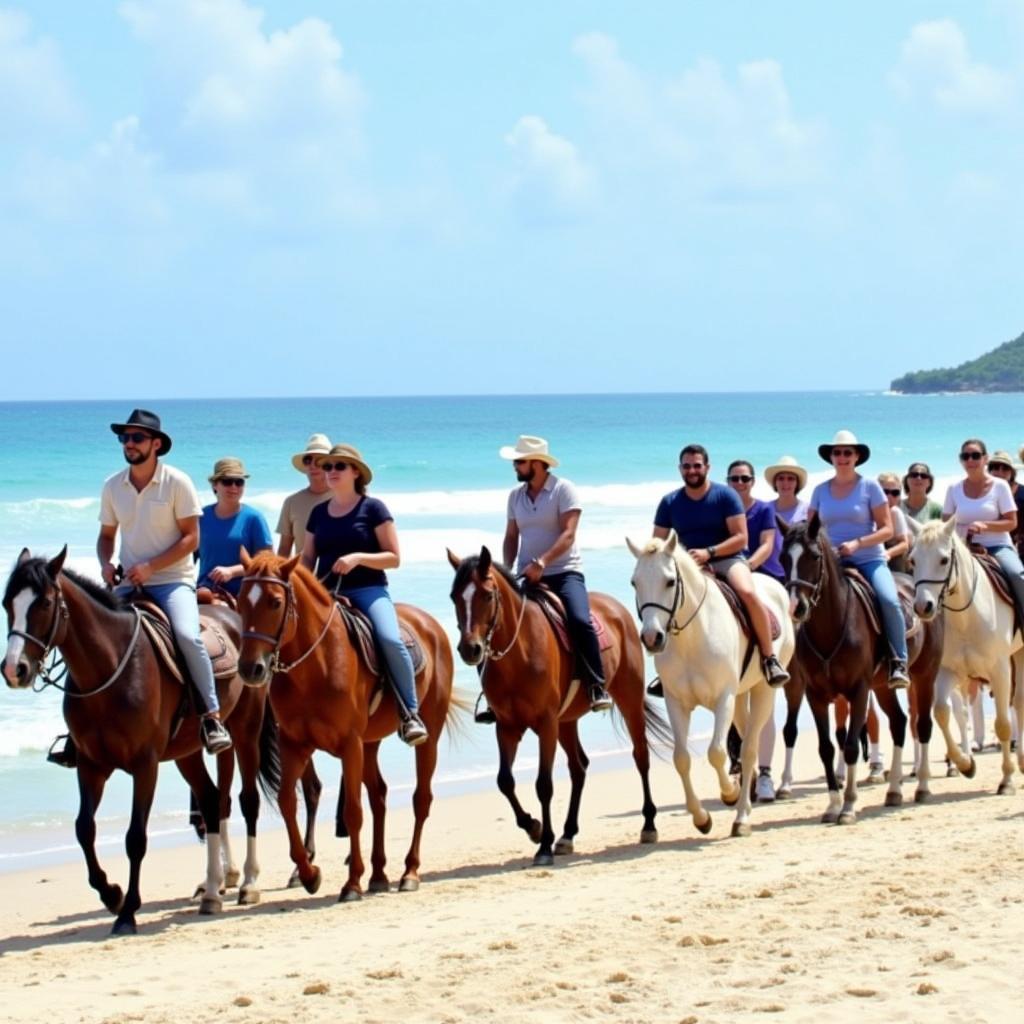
x=528, y=680
x=124, y=710
x=703, y=658
x=323, y=697
x=837, y=652
x=982, y=640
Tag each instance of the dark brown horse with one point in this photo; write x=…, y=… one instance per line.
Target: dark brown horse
x=840, y=654
x=321, y=691
x=528, y=680
x=123, y=706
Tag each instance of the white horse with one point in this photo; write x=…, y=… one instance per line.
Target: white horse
x=699, y=653
x=981, y=641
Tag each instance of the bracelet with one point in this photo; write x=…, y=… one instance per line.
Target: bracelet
x=539, y=562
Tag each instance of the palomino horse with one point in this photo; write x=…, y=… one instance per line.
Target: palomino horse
x=123, y=708
x=321, y=692
x=704, y=660
x=982, y=641
x=528, y=680
x=839, y=653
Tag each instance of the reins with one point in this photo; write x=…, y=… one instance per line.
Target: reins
x=678, y=599
x=489, y=653
x=817, y=589
x=949, y=585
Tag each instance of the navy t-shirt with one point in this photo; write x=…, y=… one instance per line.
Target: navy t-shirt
x=701, y=523
x=335, y=536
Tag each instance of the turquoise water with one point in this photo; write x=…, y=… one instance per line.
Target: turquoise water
x=436, y=465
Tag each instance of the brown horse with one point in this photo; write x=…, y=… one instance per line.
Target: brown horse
x=123, y=708
x=321, y=692
x=840, y=654
x=528, y=681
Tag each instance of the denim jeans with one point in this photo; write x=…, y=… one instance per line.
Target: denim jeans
x=1009, y=561
x=178, y=601
x=572, y=589
x=375, y=603
x=878, y=575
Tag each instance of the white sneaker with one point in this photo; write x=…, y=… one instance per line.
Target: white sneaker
x=764, y=789
x=876, y=774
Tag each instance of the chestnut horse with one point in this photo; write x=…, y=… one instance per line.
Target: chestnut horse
x=320, y=691
x=528, y=680
x=122, y=708
x=839, y=654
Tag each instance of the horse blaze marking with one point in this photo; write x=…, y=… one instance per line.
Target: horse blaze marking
x=254, y=595
x=467, y=596
x=21, y=605
x=795, y=553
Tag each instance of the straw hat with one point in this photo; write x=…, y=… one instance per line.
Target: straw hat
x=528, y=447
x=845, y=439
x=787, y=464
x=1003, y=459
x=346, y=453
x=148, y=421
x=318, y=444
x=228, y=466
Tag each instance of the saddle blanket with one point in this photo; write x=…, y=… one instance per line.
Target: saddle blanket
x=360, y=632
x=552, y=606
x=223, y=653
x=739, y=609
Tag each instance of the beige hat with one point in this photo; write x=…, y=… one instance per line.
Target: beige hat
x=787, y=464
x=845, y=439
x=528, y=447
x=346, y=453
x=318, y=444
x=228, y=466
x=1003, y=459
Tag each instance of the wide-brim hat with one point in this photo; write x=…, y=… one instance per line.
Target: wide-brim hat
x=787, y=464
x=845, y=439
x=1003, y=459
x=318, y=444
x=148, y=421
x=528, y=447
x=229, y=466
x=346, y=453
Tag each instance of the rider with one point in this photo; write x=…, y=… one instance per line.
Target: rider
x=540, y=538
x=917, y=484
x=351, y=539
x=855, y=513
x=226, y=527
x=710, y=522
x=291, y=524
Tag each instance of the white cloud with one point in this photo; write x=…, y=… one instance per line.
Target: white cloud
x=936, y=62
x=551, y=179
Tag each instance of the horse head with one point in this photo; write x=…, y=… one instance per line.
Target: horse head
x=36, y=615
x=476, y=596
x=806, y=555
x=658, y=586
x=266, y=604
x=937, y=551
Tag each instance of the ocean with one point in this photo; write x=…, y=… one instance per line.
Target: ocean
x=436, y=465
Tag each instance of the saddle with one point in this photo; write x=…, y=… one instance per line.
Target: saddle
x=217, y=595
x=866, y=596
x=739, y=610
x=360, y=632
x=551, y=605
x=223, y=653
x=998, y=580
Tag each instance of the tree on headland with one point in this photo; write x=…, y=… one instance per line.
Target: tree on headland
x=1002, y=369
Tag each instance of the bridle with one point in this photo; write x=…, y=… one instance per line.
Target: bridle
x=678, y=598
x=813, y=589
x=489, y=653
x=948, y=584
x=814, y=596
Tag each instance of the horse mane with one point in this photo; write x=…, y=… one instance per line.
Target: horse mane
x=34, y=573
x=97, y=591
x=932, y=530
x=469, y=565
x=266, y=563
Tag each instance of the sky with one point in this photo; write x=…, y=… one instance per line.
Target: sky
x=316, y=197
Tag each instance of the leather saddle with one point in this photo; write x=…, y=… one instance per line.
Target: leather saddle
x=551, y=604
x=223, y=653
x=360, y=632
x=866, y=596
x=998, y=580
x=739, y=609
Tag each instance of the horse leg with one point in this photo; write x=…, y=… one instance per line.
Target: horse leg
x=680, y=719
x=311, y=790
x=135, y=842
x=889, y=702
x=569, y=738
x=377, y=794
x=962, y=720
x=352, y=781
x=294, y=760
x=761, y=704
x=851, y=753
x=842, y=713
x=922, y=697
x=819, y=708
x=248, y=752
x=422, y=799
x=1000, y=682
x=194, y=772
x=1017, y=664
x=725, y=708
x=225, y=779
x=635, y=716
x=794, y=695
x=509, y=738
x=91, y=780
x=547, y=742
x=945, y=690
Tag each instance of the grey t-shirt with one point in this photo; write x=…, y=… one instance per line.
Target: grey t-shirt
x=538, y=522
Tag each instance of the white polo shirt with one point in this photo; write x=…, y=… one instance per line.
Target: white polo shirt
x=147, y=520
x=539, y=523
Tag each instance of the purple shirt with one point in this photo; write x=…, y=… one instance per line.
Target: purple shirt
x=761, y=517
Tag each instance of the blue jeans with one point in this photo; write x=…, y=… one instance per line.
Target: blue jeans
x=375, y=603
x=178, y=601
x=1009, y=561
x=572, y=589
x=877, y=573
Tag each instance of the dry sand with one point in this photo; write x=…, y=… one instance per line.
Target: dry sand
x=913, y=914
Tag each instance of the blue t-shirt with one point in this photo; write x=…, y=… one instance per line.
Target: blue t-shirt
x=221, y=540
x=701, y=523
x=761, y=517
x=851, y=518
x=335, y=536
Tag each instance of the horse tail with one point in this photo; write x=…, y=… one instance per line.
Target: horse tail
x=656, y=726
x=460, y=707
x=270, y=755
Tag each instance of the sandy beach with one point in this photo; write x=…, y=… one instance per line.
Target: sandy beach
x=912, y=914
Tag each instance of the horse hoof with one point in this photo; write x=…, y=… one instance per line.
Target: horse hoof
x=379, y=885
x=784, y=793
x=295, y=881
x=409, y=884
x=543, y=860
x=114, y=899
x=893, y=799
x=312, y=885
x=969, y=772
x=922, y=796
x=740, y=829
x=124, y=927
x=248, y=896
x=731, y=799
x=210, y=905
x=705, y=828
x=1005, y=789
x=534, y=830
x=231, y=878
x=847, y=818
x=649, y=835
x=830, y=817
x=952, y=772
x=563, y=845
x=350, y=896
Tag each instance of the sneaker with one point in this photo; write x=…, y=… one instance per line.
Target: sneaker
x=774, y=673
x=67, y=756
x=655, y=689
x=876, y=774
x=898, y=678
x=482, y=713
x=764, y=789
x=599, y=699
x=413, y=731
x=215, y=736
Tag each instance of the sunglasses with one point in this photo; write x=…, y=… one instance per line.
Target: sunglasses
x=309, y=460
x=892, y=492
x=919, y=476
x=134, y=436
x=232, y=481
x=844, y=453
x=739, y=478
x=334, y=467
x=971, y=456
x=686, y=466
x=994, y=466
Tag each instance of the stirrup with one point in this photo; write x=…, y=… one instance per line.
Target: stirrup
x=774, y=673
x=67, y=756
x=215, y=737
x=898, y=678
x=413, y=731
x=483, y=713
x=599, y=699
x=655, y=687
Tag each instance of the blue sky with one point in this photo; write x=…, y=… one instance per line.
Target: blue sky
x=210, y=197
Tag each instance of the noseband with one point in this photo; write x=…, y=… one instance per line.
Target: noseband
x=678, y=597
x=813, y=589
x=489, y=653
x=947, y=583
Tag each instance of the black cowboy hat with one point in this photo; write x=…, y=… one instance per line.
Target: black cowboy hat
x=148, y=421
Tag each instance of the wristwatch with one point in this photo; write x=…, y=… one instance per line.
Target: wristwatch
x=539, y=562
x=711, y=551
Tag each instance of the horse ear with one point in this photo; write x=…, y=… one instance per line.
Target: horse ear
x=24, y=556
x=782, y=526
x=636, y=552
x=484, y=566
x=813, y=527
x=670, y=542
x=950, y=528
x=912, y=525
x=453, y=559
x=245, y=558
x=54, y=566
x=289, y=567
